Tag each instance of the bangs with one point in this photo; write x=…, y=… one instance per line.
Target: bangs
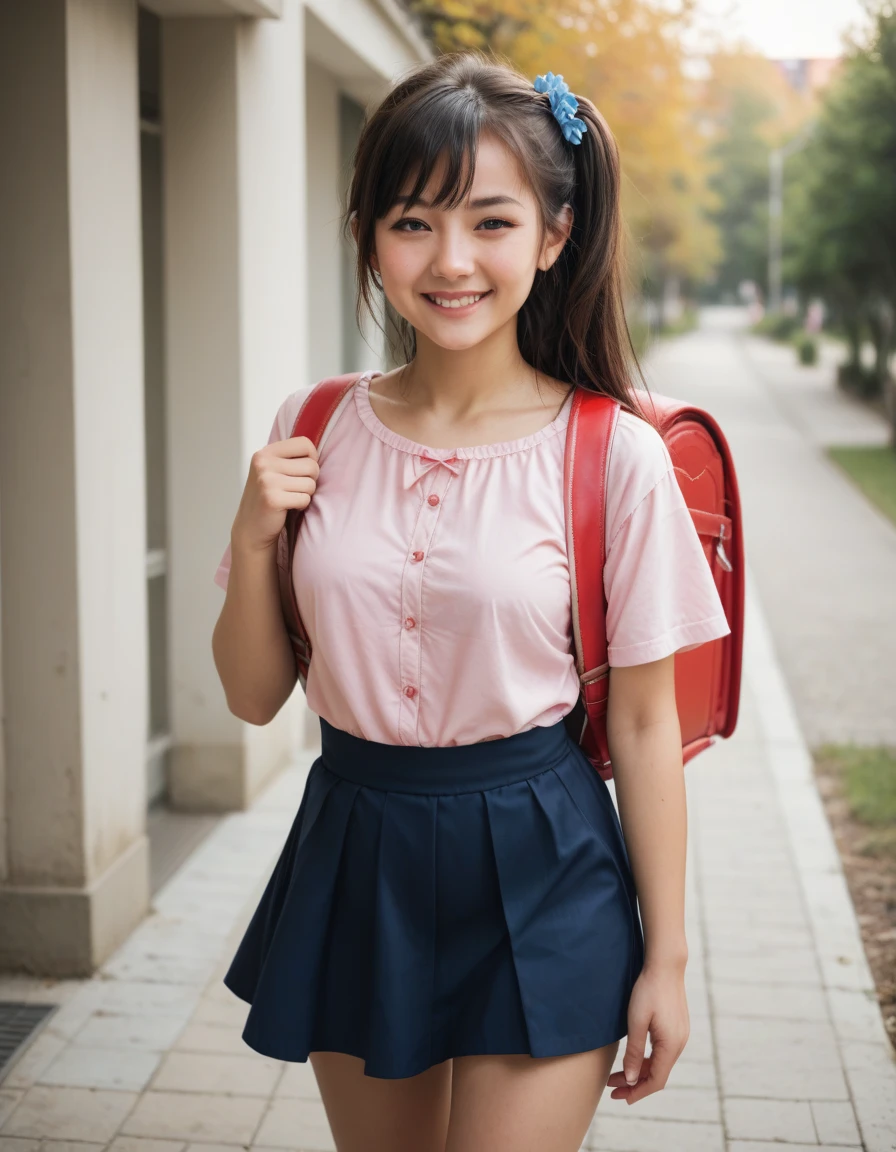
x=443, y=127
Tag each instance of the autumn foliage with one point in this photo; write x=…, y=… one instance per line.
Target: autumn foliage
x=627, y=57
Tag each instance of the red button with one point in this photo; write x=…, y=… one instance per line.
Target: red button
x=410, y=622
x=433, y=500
x=410, y=691
x=418, y=556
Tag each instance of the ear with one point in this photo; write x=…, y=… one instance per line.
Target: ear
x=557, y=236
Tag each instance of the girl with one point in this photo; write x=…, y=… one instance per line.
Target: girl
x=452, y=931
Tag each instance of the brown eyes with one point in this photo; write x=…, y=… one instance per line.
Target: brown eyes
x=399, y=225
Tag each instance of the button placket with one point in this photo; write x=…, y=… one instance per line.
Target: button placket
x=431, y=497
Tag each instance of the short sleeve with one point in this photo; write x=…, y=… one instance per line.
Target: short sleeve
x=284, y=422
x=661, y=596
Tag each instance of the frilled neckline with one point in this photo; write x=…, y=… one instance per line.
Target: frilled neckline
x=477, y=452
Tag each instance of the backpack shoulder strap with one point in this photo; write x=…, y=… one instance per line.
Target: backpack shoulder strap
x=312, y=421
x=592, y=423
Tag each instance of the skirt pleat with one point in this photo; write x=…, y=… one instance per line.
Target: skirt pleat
x=428, y=904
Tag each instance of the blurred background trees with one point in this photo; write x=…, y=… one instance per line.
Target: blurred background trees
x=697, y=129
x=628, y=56
x=843, y=206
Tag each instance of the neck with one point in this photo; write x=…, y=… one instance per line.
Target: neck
x=463, y=383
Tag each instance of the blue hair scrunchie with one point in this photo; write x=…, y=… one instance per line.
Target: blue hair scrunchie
x=563, y=105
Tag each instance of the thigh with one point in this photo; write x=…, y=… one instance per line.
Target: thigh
x=368, y=1114
x=526, y=1104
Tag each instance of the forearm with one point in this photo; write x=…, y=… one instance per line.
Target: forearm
x=251, y=648
x=650, y=792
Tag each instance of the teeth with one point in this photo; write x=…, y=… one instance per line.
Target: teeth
x=458, y=303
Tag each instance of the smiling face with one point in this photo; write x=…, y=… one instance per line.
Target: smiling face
x=460, y=274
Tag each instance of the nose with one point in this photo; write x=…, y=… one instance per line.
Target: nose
x=453, y=259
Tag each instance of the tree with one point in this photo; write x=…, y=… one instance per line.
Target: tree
x=749, y=107
x=626, y=55
x=845, y=248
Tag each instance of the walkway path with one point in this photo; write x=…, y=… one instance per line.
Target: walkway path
x=787, y=1048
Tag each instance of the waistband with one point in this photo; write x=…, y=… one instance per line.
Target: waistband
x=459, y=768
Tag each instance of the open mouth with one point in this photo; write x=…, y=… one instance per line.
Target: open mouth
x=459, y=304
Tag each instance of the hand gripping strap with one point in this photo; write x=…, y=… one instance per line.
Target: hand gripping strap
x=592, y=423
x=311, y=421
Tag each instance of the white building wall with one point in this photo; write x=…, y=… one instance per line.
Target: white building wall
x=323, y=353
x=251, y=256
x=71, y=483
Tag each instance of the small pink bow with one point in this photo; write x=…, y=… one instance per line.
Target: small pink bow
x=418, y=466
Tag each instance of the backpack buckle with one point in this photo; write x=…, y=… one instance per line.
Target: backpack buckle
x=721, y=553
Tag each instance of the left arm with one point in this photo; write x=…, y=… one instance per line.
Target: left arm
x=645, y=743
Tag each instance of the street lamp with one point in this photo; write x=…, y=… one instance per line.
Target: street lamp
x=776, y=159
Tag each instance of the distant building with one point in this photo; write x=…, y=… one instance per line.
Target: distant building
x=171, y=270
x=811, y=75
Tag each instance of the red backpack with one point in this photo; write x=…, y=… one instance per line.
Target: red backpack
x=707, y=678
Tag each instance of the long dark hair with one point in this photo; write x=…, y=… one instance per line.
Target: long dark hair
x=572, y=326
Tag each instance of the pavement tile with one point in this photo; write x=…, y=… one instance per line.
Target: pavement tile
x=758, y=1146
x=784, y=1120
x=799, y=966
x=690, y=1073
x=723, y=937
x=290, y=1122
x=208, y=1038
x=139, y=1144
x=694, y=1105
x=299, y=1081
x=250, y=1075
x=71, y=1146
x=113, y=1068
x=202, y=1147
x=18, y=1144
x=835, y=1122
x=70, y=1113
x=809, y=1040
x=38, y=1056
x=148, y=1033
x=190, y=970
x=871, y=1071
x=9, y=1100
x=230, y=1013
x=775, y=1001
x=147, y=998
x=776, y=1078
x=609, y=1134
x=191, y=1116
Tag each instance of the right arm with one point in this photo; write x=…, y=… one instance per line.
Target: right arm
x=250, y=644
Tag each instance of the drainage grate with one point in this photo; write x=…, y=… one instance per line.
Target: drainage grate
x=18, y=1023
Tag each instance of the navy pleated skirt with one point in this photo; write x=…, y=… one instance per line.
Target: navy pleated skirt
x=439, y=902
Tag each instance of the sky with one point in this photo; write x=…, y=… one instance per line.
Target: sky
x=787, y=29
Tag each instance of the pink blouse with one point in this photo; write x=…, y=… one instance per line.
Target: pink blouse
x=434, y=582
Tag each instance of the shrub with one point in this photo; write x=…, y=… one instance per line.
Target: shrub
x=807, y=349
x=777, y=325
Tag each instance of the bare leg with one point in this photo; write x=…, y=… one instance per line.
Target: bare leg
x=367, y=1114
x=526, y=1104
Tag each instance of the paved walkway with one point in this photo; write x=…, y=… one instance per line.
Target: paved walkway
x=787, y=1046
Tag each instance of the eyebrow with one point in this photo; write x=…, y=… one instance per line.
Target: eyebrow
x=482, y=202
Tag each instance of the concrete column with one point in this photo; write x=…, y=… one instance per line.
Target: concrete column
x=325, y=304
x=235, y=259
x=72, y=495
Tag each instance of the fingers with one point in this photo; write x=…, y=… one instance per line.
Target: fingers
x=294, y=446
x=298, y=466
x=635, y=1047
x=653, y=1075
